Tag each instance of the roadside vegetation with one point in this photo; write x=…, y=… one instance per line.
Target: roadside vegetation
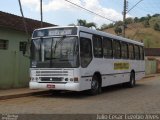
x=145, y=29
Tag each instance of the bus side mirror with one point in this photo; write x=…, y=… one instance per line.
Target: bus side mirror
x=23, y=47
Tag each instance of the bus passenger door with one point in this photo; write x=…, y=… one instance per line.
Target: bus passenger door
x=85, y=60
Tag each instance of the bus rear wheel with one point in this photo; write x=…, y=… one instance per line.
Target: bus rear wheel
x=95, y=85
x=132, y=81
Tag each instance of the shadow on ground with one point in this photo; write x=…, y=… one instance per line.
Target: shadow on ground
x=84, y=94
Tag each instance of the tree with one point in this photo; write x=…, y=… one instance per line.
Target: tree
x=157, y=27
x=111, y=25
x=156, y=15
x=142, y=19
x=136, y=19
x=129, y=20
x=81, y=22
x=146, y=23
x=91, y=24
x=153, y=22
x=149, y=16
x=118, y=23
x=118, y=30
x=106, y=26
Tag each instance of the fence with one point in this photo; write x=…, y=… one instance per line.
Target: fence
x=151, y=66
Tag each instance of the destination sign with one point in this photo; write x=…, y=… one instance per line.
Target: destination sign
x=59, y=32
x=55, y=32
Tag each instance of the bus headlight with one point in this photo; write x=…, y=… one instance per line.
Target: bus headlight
x=34, y=79
x=66, y=79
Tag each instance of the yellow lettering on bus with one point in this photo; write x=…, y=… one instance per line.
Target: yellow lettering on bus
x=121, y=66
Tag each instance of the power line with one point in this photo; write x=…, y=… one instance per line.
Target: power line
x=95, y=13
x=90, y=11
x=134, y=6
x=150, y=7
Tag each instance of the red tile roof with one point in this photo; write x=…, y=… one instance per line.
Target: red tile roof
x=11, y=21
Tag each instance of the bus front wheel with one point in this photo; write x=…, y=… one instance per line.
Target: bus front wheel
x=95, y=85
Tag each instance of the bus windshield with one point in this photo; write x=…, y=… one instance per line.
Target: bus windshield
x=55, y=52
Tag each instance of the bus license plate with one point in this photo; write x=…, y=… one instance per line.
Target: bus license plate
x=50, y=86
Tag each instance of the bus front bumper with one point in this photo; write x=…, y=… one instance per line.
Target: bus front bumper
x=55, y=86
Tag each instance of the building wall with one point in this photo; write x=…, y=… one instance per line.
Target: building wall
x=14, y=67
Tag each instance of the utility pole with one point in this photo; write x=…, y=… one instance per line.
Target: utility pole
x=41, y=13
x=24, y=21
x=124, y=17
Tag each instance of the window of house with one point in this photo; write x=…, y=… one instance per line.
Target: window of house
x=3, y=44
x=116, y=49
x=97, y=46
x=124, y=50
x=107, y=48
x=22, y=46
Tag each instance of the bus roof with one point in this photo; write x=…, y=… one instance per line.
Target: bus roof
x=96, y=32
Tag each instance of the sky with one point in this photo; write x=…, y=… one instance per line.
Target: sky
x=61, y=12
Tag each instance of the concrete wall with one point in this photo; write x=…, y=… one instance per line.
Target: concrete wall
x=14, y=67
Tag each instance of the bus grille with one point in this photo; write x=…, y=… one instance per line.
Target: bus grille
x=44, y=79
x=51, y=73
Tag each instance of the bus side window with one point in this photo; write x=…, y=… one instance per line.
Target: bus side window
x=97, y=46
x=116, y=49
x=85, y=51
x=137, y=52
x=107, y=48
x=131, y=52
x=141, y=53
x=124, y=50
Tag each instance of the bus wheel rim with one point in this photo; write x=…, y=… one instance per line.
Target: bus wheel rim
x=94, y=85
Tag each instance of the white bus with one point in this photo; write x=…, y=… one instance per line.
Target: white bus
x=78, y=58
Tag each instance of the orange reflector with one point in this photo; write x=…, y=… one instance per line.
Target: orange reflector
x=75, y=79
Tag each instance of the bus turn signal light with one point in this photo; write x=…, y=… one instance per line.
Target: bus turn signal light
x=75, y=79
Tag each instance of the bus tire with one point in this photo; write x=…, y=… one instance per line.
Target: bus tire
x=132, y=81
x=95, y=85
